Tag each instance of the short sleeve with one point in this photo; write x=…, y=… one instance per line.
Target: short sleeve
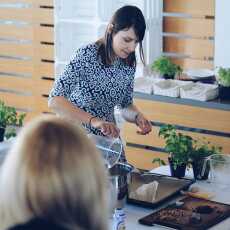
x=128, y=98
x=70, y=78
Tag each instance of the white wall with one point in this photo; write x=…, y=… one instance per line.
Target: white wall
x=222, y=33
x=85, y=21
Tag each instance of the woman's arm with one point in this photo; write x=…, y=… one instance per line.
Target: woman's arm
x=132, y=114
x=62, y=107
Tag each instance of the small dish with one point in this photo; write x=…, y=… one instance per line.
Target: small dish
x=199, y=73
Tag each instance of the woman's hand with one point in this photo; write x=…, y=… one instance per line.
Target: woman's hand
x=107, y=128
x=143, y=124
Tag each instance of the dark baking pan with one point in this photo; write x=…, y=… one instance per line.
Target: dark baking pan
x=168, y=187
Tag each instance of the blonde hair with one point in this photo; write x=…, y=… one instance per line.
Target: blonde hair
x=53, y=171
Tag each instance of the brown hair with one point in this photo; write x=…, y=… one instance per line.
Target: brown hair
x=54, y=172
x=124, y=18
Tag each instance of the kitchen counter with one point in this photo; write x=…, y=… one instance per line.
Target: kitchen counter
x=214, y=104
x=134, y=212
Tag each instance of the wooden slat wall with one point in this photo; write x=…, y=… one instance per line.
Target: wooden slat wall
x=26, y=54
x=195, y=27
x=188, y=28
x=154, y=140
x=191, y=63
x=140, y=150
x=195, y=7
x=185, y=115
x=16, y=49
x=195, y=48
x=142, y=158
x=25, y=14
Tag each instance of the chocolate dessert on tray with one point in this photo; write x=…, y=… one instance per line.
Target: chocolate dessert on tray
x=189, y=214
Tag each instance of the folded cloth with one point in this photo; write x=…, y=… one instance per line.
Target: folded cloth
x=146, y=192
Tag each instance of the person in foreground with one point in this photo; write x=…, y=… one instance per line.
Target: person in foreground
x=101, y=76
x=53, y=178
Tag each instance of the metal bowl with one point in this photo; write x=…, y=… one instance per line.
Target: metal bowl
x=120, y=177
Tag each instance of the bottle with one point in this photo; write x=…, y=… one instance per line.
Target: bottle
x=119, y=219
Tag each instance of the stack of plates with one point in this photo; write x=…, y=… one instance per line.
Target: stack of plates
x=200, y=74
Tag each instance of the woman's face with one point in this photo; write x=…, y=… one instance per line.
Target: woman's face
x=124, y=42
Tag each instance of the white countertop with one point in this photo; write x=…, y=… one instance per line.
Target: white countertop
x=134, y=212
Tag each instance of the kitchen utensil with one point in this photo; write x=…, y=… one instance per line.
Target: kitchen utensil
x=110, y=148
x=120, y=177
x=203, y=195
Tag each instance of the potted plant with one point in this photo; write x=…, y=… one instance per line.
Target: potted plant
x=224, y=83
x=201, y=150
x=9, y=118
x=179, y=147
x=164, y=66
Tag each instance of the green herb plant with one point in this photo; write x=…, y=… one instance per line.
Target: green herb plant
x=183, y=149
x=224, y=76
x=177, y=145
x=202, y=149
x=164, y=66
x=9, y=119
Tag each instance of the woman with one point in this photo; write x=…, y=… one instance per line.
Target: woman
x=53, y=178
x=101, y=76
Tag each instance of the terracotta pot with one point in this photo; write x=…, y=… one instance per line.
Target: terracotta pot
x=2, y=132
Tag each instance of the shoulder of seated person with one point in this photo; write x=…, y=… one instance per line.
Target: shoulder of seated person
x=37, y=224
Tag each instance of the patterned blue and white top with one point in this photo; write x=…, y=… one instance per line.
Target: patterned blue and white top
x=97, y=89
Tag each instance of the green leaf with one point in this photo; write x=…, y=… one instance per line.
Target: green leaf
x=177, y=144
x=10, y=132
x=224, y=76
x=159, y=161
x=9, y=117
x=164, y=65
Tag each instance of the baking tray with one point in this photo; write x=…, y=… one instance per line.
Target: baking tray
x=167, y=188
x=189, y=214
